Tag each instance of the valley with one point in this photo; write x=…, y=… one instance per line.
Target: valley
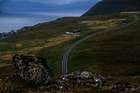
x=97, y=52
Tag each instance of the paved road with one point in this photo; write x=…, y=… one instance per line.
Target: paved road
x=65, y=58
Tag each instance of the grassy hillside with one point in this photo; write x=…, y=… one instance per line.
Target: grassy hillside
x=46, y=30
x=92, y=25
x=114, y=53
x=113, y=6
x=48, y=40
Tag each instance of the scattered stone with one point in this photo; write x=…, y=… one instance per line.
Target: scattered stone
x=31, y=69
x=123, y=87
x=84, y=78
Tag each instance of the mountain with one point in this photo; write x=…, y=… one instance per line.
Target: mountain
x=113, y=6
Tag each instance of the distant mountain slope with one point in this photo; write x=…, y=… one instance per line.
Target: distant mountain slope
x=112, y=6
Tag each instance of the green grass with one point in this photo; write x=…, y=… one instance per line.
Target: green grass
x=39, y=34
x=113, y=53
x=54, y=54
x=3, y=64
x=53, y=57
x=45, y=30
x=7, y=46
x=52, y=29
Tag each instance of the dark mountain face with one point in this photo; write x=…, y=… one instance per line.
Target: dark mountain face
x=113, y=6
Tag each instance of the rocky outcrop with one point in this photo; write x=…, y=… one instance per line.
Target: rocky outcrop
x=31, y=69
x=83, y=78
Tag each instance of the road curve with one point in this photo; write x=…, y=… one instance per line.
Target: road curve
x=65, y=58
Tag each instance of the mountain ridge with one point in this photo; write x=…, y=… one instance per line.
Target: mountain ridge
x=113, y=6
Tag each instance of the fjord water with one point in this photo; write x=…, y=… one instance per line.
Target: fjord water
x=10, y=22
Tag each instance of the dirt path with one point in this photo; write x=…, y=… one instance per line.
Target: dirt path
x=65, y=58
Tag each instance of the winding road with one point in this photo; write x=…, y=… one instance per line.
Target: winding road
x=65, y=58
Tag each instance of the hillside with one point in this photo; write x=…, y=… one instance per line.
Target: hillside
x=49, y=40
x=107, y=45
x=113, y=6
x=115, y=53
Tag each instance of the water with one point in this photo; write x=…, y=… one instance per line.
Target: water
x=10, y=22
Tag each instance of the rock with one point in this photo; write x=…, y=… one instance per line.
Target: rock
x=85, y=74
x=84, y=78
x=31, y=69
x=121, y=86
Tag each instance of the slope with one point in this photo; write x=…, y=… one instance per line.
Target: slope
x=113, y=6
x=114, y=53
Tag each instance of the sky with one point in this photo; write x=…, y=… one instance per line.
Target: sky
x=60, y=2
x=15, y=14
x=51, y=7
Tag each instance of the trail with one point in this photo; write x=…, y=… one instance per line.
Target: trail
x=66, y=55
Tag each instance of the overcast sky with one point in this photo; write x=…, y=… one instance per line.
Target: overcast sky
x=61, y=2
x=64, y=7
x=15, y=14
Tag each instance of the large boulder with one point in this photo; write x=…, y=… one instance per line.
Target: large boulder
x=31, y=69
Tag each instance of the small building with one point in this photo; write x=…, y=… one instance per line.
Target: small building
x=74, y=32
x=69, y=33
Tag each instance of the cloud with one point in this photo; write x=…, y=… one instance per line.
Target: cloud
x=54, y=2
x=51, y=7
x=60, y=2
